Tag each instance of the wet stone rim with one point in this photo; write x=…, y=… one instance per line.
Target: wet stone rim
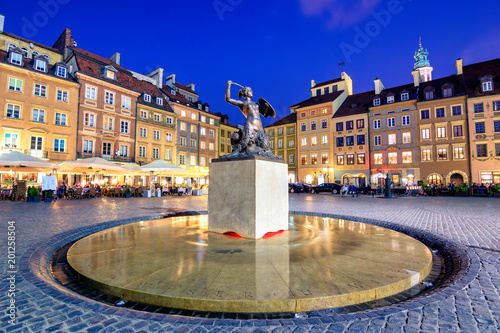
x=35, y=267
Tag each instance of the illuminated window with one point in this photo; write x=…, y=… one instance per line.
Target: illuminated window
x=314, y=141
x=314, y=159
x=377, y=158
x=303, y=160
x=350, y=159
x=441, y=132
x=426, y=155
x=393, y=158
x=324, y=158
x=426, y=133
x=458, y=153
x=361, y=158
x=442, y=154
x=407, y=157
x=340, y=159
x=407, y=137
x=392, y=139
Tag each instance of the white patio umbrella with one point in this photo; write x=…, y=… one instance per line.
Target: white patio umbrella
x=161, y=166
x=23, y=163
x=85, y=164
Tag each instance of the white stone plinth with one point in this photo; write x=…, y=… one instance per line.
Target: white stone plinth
x=248, y=196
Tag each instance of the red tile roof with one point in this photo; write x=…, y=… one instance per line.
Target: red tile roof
x=288, y=119
x=355, y=104
x=318, y=99
x=321, y=84
x=474, y=72
x=183, y=87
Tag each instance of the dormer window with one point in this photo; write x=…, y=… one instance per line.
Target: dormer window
x=376, y=101
x=487, y=86
x=25, y=52
x=390, y=99
x=46, y=56
x=429, y=94
x=110, y=74
x=34, y=54
x=405, y=96
x=318, y=92
x=199, y=106
x=16, y=58
x=40, y=65
x=12, y=46
x=206, y=107
x=327, y=90
x=173, y=92
x=147, y=98
x=159, y=101
x=61, y=71
x=447, y=92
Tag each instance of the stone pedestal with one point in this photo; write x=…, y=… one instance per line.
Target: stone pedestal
x=248, y=196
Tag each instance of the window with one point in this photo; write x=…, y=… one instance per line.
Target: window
x=182, y=126
x=313, y=125
x=202, y=131
x=377, y=158
x=62, y=95
x=40, y=90
x=194, y=116
x=280, y=131
x=326, y=90
x=496, y=105
x=59, y=145
x=424, y=114
x=147, y=98
x=324, y=111
x=405, y=120
x=324, y=139
x=314, y=159
x=110, y=74
x=340, y=127
x=405, y=96
x=16, y=58
x=203, y=119
x=211, y=146
x=142, y=151
x=156, y=135
x=349, y=141
x=212, y=133
x=478, y=108
x=458, y=153
x=487, y=86
x=303, y=114
x=360, y=123
x=159, y=101
x=350, y=159
x=324, y=123
x=203, y=145
x=125, y=102
x=314, y=141
x=447, y=92
x=390, y=99
x=169, y=120
x=168, y=154
x=38, y=115
x=157, y=117
x=61, y=71
x=496, y=125
x=168, y=137
x=88, y=146
x=89, y=119
x=479, y=127
x=349, y=125
x=457, y=131
x=429, y=95
x=36, y=146
x=361, y=158
x=60, y=119
x=108, y=123
x=391, y=139
x=442, y=154
x=291, y=130
x=110, y=98
x=481, y=150
x=202, y=161
x=303, y=127
x=193, y=128
x=456, y=110
x=280, y=144
x=90, y=93
x=212, y=121
x=407, y=157
x=318, y=92
x=291, y=159
x=497, y=149
x=193, y=143
x=15, y=84
x=391, y=122
x=377, y=140
x=324, y=158
x=393, y=158
x=123, y=150
x=376, y=101
x=156, y=153
x=441, y=132
x=303, y=160
x=376, y=123
x=271, y=144
x=360, y=139
x=439, y=112
x=340, y=142
x=426, y=133
x=426, y=155
x=13, y=111
x=143, y=132
x=183, y=113
x=340, y=159
x=11, y=140
x=124, y=127
x=407, y=137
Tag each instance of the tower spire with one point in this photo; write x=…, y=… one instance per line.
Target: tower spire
x=422, y=64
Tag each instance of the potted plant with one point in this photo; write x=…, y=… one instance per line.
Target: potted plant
x=495, y=191
x=128, y=191
x=49, y=195
x=33, y=194
x=462, y=190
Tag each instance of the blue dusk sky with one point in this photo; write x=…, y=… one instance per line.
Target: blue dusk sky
x=276, y=47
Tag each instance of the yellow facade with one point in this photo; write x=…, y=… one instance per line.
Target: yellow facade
x=43, y=126
x=31, y=49
x=283, y=140
x=225, y=132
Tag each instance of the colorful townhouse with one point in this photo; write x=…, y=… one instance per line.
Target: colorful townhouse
x=225, y=131
x=314, y=128
x=283, y=137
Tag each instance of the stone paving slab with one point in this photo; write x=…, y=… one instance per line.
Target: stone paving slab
x=472, y=224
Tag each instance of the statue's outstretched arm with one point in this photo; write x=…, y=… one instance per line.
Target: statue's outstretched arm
x=228, y=95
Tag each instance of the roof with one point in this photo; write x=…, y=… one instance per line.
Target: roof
x=321, y=84
x=396, y=92
x=30, y=41
x=183, y=87
x=473, y=74
x=356, y=104
x=28, y=65
x=289, y=119
x=179, y=99
x=439, y=84
x=326, y=98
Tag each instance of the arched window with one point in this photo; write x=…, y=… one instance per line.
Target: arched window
x=434, y=179
x=46, y=56
x=34, y=54
x=25, y=52
x=12, y=46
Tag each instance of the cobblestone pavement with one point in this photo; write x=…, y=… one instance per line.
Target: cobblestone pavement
x=472, y=223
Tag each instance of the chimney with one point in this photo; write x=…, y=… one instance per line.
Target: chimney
x=115, y=58
x=313, y=83
x=348, y=82
x=379, y=86
x=64, y=40
x=157, y=75
x=191, y=86
x=416, y=78
x=459, y=64
x=170, y=80
x=2, y=20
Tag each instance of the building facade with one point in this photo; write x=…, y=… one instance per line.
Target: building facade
x=225, y=131
x=283, y=138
